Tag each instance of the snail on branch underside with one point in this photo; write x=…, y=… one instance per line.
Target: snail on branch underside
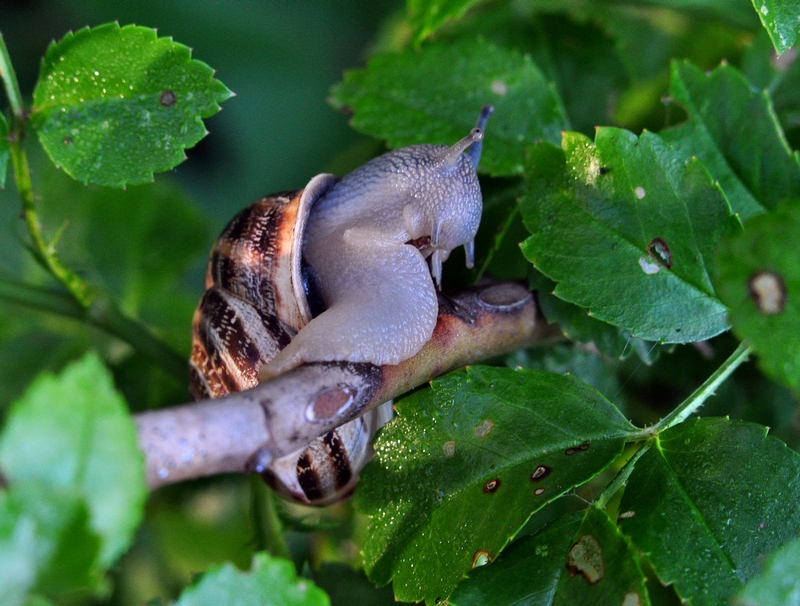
x=344, y=270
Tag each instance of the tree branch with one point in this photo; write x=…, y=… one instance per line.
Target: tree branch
x=245, y=431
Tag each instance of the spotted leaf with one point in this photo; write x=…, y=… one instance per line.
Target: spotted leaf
x=467, y=462
x=581, y=558
x=115, y=104
x=627, y=229
x=760, y=281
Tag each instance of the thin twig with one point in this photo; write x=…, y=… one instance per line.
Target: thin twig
x=104, y=314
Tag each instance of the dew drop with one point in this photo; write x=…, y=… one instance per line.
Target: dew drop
x=768, y=292
x=659, y=250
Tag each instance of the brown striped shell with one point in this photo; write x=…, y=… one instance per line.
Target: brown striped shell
x=255, y=302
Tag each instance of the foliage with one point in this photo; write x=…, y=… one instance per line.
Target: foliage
x=643, y=154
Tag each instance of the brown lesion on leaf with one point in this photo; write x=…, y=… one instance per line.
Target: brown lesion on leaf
x=168, y=98
x=491, y=486
x=586, y=559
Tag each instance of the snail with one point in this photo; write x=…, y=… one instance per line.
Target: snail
x=335, y=272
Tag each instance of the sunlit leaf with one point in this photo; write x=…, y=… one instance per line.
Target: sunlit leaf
x=627, y=230
x=114, y=105
x=73, y=431
x=465, y=464
x=270, y=582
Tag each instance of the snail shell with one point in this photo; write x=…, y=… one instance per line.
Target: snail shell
x=335, y=272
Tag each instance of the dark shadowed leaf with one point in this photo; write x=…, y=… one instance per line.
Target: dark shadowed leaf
x=4, y=150
x=435, y=95
x=465, y=464
x=754, y=165
x=578, y=559
x=627, y=230
x=270, y=582
x=708, y=501
x=114, y=105
x=760, y=282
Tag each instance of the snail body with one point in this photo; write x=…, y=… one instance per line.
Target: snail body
x=337, y=271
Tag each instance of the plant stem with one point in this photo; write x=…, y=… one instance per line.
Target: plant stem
x=44, y=252
x=699, y=396
x=622, y=477
x=269, y=528
x=103, y=314
x=10, y=82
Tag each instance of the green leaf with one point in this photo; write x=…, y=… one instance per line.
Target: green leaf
x=779, y=18
x=73, y=431
x=779, y=583
x=114, y=105
x=426, y=16
x=760, y=282
x=708, y=501
x=463, y=466
x=562, y=358
x=45, y=542
x=734, y=131
x=627, y=229
x=270, y=582
x=578, y=325
x=579, y=559
x=434, y=96
x=4, y=150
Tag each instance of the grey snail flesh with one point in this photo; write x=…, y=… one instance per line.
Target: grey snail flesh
x=358, y=247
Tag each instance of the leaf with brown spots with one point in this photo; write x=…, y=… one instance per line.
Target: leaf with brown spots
x=438, y=491
x=113, y=105
x=760, y=282
x=633, y=245
x=580, y=558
